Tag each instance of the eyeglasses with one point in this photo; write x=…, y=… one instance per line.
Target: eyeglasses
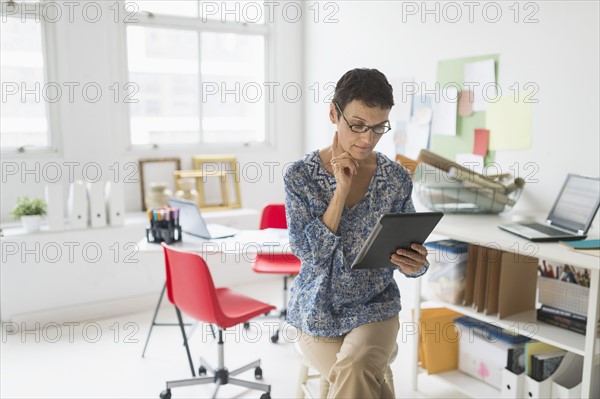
x=379, y=129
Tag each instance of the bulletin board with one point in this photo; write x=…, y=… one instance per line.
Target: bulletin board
x=452, y=71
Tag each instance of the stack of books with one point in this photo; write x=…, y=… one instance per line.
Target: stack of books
x=562, y=318
x=589, y=247
x=515, y=359
x=543, y=365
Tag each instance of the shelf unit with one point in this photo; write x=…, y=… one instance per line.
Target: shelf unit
x=483, y=230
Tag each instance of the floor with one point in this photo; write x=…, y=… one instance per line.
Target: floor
x=102, y=358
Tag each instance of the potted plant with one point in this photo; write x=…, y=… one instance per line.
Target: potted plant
x=30, y=211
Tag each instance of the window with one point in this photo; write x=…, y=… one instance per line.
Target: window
x=24, y=111
x=199, y=72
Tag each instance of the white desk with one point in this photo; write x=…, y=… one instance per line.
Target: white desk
x=249, y=242
x=67, y=275
x=483, y=230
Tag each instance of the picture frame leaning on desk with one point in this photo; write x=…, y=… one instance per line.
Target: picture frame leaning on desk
x=156, y=170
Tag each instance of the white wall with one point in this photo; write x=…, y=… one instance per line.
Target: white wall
x=560, y=54
x=95, y=132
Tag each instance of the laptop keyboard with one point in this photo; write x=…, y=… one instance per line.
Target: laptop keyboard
x=544, y=229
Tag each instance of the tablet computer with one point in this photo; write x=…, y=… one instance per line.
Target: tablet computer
x=393, y=231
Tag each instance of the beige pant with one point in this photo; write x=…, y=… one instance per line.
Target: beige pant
x=355, y=363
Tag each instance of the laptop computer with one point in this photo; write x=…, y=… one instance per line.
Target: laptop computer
x=571, y=216
x=192, y=222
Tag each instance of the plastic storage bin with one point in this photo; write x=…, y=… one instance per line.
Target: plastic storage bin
x=448, y=270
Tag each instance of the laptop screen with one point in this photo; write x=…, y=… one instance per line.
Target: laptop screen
x=577, y=203
x=190, y=219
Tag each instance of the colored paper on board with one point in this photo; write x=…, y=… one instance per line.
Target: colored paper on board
x=399, y=132
x=422, y=108
x=481, y=76
x=509, y=123
x=417, y=138
x=444, y=112
x=403, y=88
x=451, y=73
x=482, y=141
x=465, y=103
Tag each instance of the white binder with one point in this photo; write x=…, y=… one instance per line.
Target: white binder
x=537, y=389
x=567, y=373
x=77, y=205
x=115, y=203
x=55, y=215
x=567, y=380
x=512, y=384
x=97, y=208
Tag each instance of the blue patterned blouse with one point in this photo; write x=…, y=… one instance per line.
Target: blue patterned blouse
x=328, y=298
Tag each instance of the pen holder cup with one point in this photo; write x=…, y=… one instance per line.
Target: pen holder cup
x=169, y=234
x=562, y=295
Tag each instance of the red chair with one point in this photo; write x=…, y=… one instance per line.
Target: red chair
x=273, y=216
x=191, y=289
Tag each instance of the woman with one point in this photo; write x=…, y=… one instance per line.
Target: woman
x=348, y=318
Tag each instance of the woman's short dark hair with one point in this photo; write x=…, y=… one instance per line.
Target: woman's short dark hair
x=367, y=85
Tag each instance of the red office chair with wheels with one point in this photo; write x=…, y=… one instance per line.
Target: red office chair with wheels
x=273, y=216
x=192, y=291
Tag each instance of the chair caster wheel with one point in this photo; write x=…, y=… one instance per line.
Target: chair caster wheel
x=166, y=394
x=274, y=338
x=265, y=396
x=246, y=326
x=258, y=375
x=201, y=371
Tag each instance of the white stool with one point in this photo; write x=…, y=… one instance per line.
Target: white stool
x=305, y=366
